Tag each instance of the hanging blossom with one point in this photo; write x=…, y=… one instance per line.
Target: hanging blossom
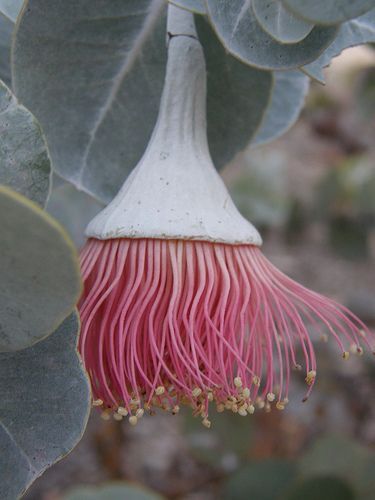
x=180, y=306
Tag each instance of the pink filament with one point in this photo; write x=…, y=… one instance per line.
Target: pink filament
x=195, y=318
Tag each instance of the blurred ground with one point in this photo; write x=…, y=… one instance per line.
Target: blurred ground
x=312, y=193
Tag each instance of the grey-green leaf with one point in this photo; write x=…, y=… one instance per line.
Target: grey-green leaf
x=288, y=97
x=112, y=491
x=328, y=11
x=6, y=28
x=39, y=272
x=242, y=35
x=196, y=6
x=237, y=99
x=73, y=209
x=11, y=8
x=281, y=24
x=44, y=407
x=24, y=160
x=354, y=32
x=92, y=72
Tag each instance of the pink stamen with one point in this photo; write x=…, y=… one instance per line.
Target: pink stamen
x=170, y=322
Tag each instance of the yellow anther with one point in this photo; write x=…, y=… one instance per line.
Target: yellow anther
x=251, y=409
x=310, y=377
x=197, y=392
x=238, y=382
x=175, y=409
x=105, y=415
x=220, y=408
x=256, y=380
x=147, y=407
x=122, y=411
x=133, y=420
x=280, y=405
x=97, y=402
x=210, y=396
x=134, y=402
x=234, y=408
x=246, y=393
x=285, y=401
x=228, y=405
x=298, y=367
x=362, y=333
x=242, y=411
x=160, y=390
x=139, y=413
x=345, y=355
x=271, y=397
x=206, y=423
x=117, y=417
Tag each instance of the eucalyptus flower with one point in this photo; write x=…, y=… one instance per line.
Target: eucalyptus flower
x=180, y=306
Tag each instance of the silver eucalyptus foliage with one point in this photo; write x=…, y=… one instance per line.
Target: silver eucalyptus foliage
x=91, y=72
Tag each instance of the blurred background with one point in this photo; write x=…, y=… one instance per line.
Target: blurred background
x=312, y=195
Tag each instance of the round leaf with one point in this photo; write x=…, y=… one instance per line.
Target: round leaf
x=24, y=160
x=196, y=6
x=92, y=72
x=237, y=98
x=73, y=209
x=6, y=28
x=44, y=407
x=354, y=32
x=11, y=8
x=288, y=97
x=281, y=24
x=242, y=35
x=112, y=491
x=39, y=273
x=328, y=11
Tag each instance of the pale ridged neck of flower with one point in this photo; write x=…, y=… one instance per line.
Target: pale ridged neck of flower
x=175, y=192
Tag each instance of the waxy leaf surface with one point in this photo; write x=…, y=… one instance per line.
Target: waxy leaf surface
x=73, y=209
x=328, y=11
x=281, y=24
x=242, y=35
x=196, y=6
x=9, y=10
x=287, y=100
x=45, y=400
x=237, y=98
x=92, y=73
x=39, y=273
x=354, y=32
x=24, y=160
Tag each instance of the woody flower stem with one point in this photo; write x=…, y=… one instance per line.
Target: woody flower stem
x=179, y=304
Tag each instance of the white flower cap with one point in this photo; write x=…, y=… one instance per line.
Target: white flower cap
x=175, y=191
